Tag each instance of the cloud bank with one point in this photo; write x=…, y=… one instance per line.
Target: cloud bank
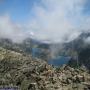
x=10, y=30
x=53, y=20
x=59, y=20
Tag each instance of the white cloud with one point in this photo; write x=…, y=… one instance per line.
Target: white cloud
x=10, y=30
x=54, y=20
x=58, y=19
x=87, y=40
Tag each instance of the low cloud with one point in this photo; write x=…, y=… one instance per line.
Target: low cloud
x=87, y=40
x=11, y=30
x=59, y=20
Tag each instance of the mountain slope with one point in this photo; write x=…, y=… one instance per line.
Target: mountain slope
x=18, y=69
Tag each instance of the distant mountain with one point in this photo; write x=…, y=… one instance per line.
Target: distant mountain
x=82, y=48
x=28, y=46
x=78, y=47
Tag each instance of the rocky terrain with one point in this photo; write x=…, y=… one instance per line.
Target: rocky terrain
x=18, y=69
x=28, y=46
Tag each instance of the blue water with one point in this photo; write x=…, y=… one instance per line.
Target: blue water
x=58, y=61
x=36, y=52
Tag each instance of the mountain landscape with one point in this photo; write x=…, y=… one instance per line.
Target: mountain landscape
x=20, y=68
x=44, y=44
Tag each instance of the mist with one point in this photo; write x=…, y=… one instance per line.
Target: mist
x=57, y=21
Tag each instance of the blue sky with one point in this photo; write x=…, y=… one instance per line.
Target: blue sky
x=19, y=10
x=87, y=7
x=52, y=20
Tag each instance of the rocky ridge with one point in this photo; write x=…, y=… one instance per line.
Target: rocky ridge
x=18, y=69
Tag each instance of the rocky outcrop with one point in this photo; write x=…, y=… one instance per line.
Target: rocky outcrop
x=17, y=69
